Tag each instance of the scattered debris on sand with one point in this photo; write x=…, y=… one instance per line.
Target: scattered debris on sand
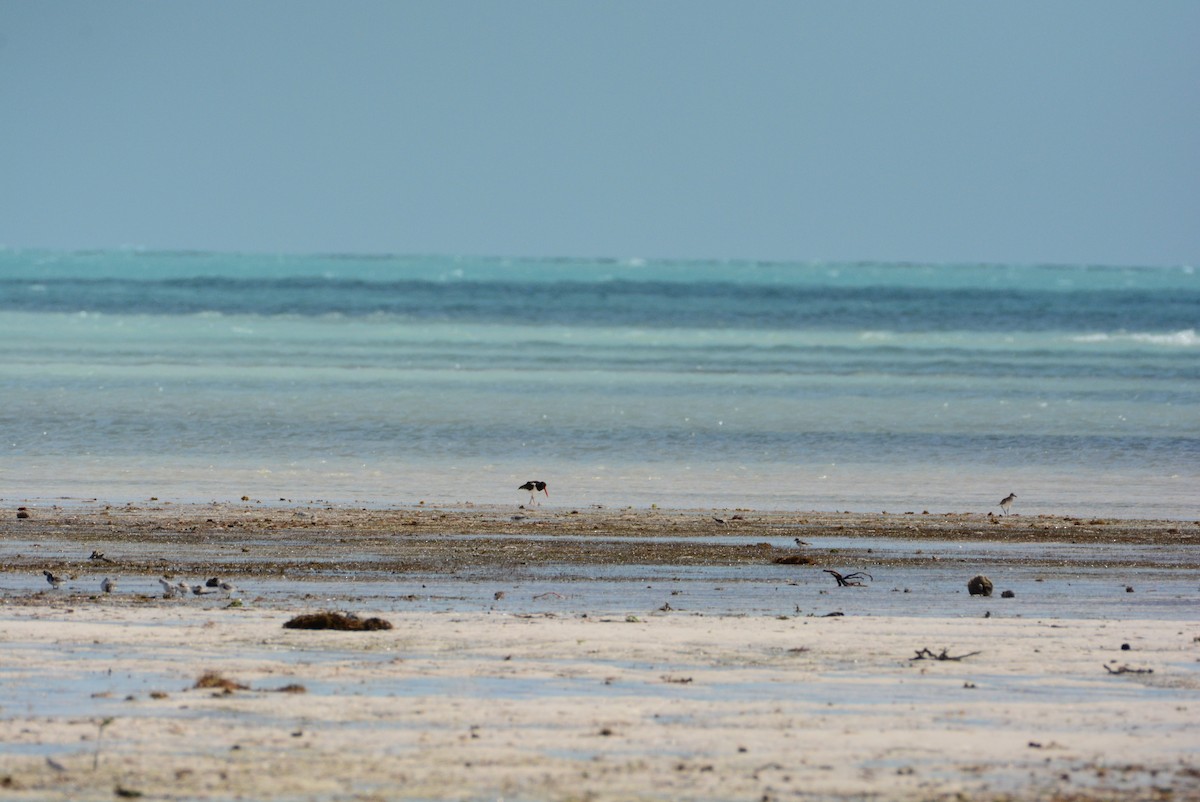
x=926, y=654
x=212, y=679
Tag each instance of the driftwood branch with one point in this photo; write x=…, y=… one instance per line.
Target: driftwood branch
x=1127, y=670
x=851, y=580
x=926, y=654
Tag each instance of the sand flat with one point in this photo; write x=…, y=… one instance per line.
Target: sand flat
x=558, y=700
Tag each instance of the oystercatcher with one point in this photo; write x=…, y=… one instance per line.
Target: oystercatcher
x=534, y=487
x=1007, y=501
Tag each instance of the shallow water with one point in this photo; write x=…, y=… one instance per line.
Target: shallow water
x=698, y=384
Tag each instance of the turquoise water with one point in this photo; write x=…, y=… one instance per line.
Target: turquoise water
x=392, y=380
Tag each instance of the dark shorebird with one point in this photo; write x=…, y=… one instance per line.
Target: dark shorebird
x=1007, y=501
x=108, y=585
x=55, y=581
x=217, y=583
x=534, y=487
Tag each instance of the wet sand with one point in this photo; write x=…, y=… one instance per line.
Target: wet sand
x=555, y=699
x=257, y=539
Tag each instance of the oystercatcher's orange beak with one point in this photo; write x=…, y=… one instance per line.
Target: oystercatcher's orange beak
x=546, y=490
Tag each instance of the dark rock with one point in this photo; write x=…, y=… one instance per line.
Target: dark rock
x=980, y=586
x=1008, y=594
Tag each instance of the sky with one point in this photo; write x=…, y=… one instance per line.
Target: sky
x=920, y=131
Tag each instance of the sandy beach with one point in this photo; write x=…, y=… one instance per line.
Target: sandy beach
x=598, y=654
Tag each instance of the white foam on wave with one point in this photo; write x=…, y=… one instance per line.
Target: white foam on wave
x=1185, y=338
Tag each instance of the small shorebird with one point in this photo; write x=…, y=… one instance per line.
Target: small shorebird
x=534, y=487
x=108, y=585
x=169, y=589
x=55, y=581
x=1007, y=501
x=801, y=543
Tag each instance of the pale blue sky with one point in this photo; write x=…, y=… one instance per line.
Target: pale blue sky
x=1064, y=132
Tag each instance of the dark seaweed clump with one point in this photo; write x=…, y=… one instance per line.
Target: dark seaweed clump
x=343, y=621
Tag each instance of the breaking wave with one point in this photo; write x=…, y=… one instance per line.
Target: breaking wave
x=1185, y=339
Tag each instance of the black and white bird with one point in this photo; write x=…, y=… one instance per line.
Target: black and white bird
x=535, y=486
x=55, y=581
x=108, y=585
x=1007, y=501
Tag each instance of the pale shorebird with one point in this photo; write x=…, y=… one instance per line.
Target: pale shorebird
x=169, y=589
x=55, y=581
x=1007, y=501
x=108, y=585
x=534, y=486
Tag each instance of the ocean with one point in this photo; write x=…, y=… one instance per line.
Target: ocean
x=391, y=381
